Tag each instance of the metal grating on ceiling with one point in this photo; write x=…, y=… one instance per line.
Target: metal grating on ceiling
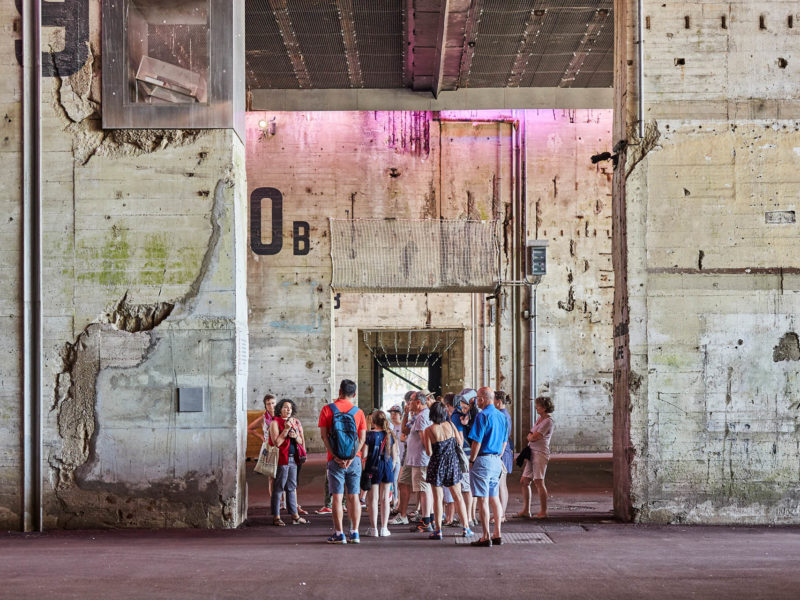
x=379, y=37
x=319, y=33
x=268, y=64
x=294, y=44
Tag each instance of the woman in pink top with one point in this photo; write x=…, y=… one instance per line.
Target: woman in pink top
x=536, y=466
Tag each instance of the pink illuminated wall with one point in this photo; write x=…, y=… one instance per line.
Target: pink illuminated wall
x=424, y=165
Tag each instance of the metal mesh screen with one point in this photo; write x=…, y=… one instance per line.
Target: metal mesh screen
x=415, y=256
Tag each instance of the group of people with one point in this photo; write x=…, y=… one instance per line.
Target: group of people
x=454, y=453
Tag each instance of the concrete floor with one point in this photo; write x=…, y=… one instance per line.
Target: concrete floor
x=590, y=557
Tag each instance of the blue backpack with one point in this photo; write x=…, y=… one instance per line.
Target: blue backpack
x=343, y=436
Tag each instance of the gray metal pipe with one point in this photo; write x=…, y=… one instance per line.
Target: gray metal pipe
x=532, y=349
x=640, y=69
x=32, y=263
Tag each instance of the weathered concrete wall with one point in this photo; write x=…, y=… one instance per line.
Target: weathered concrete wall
x=10, y=273
x=569, y=204
x=405, y=165
x=143, y=294
x=713, y=250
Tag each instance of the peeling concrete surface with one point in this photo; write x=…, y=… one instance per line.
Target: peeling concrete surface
x=788, y=348
x=142, y=301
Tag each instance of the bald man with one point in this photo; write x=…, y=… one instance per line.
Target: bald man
x=489, y=436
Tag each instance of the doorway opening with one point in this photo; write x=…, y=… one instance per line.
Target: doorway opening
x=395, y=375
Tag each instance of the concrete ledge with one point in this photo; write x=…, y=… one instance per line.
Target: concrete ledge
x=404, y=99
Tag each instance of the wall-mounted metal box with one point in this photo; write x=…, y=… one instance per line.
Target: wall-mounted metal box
x=173, y=65
x=537, y=258
x=190, y=399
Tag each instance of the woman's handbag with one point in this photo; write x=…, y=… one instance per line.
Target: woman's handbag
x=463, y=461
x=523, y=456
x=267, y=461
x=301, y=454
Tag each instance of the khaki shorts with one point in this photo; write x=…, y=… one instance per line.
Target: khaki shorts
x=536, y=467
x=405, y=476
x=418, y=483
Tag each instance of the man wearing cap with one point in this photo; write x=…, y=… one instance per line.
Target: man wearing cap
x=489, y=436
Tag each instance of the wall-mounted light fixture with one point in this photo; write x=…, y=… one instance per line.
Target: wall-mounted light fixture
x=267, y=127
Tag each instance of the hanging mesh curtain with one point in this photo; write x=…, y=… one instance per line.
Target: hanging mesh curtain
x=391, y=255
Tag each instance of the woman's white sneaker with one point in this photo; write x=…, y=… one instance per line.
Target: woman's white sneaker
x=385, y=532
x=371, y=532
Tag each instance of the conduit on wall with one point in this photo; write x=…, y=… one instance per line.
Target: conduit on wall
x=32, y=264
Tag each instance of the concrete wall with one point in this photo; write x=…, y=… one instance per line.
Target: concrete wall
x=143, y=293
x=409, y=165
x=713, y=264
x=10, y=274
x=569, y=205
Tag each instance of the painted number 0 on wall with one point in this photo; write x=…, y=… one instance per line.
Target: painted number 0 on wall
x=300, y=229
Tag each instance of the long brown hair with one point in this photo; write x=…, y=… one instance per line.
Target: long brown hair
x=380, y=421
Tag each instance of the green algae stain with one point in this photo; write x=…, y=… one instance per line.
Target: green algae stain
x=155, y=260
x=184, y=270
x=108, y=265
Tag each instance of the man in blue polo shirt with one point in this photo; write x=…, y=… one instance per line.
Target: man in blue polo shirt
x=489, y=436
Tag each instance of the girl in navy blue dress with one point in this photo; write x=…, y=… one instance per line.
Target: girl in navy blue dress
x=379, y=454
x=441, y=439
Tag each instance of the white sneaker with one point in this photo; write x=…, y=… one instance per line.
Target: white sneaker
x=399, y=520
x=371, y=532
x=385, y=532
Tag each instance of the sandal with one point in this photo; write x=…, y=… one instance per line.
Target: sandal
x=298, y=520
x=300, y=510
x=278, y=522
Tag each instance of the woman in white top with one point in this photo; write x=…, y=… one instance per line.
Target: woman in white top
x=536, y=466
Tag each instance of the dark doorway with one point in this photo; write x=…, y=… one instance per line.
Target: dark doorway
x=426, y=373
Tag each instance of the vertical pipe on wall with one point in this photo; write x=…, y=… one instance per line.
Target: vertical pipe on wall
x=532, y=346
x=31, y=264
x=640, y=66
x=474, y=316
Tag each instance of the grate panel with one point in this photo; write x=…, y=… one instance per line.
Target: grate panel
x=318, y=30
x=512, y=538
x=379, y=38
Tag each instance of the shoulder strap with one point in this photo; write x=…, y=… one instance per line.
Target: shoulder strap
x=353, y=411
x=334, y=408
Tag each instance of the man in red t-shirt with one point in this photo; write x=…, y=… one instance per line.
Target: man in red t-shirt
x=344, y=473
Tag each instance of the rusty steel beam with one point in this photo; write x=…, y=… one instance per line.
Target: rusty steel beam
x=622, y=448
x=593, y=29
x=533, y=27
x=347, y=23
x=441, y=49
x=281, y=12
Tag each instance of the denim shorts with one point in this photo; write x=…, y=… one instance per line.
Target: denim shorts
x=484, y=476
x=339, y=478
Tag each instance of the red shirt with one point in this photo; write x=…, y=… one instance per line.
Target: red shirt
x=344, y=405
